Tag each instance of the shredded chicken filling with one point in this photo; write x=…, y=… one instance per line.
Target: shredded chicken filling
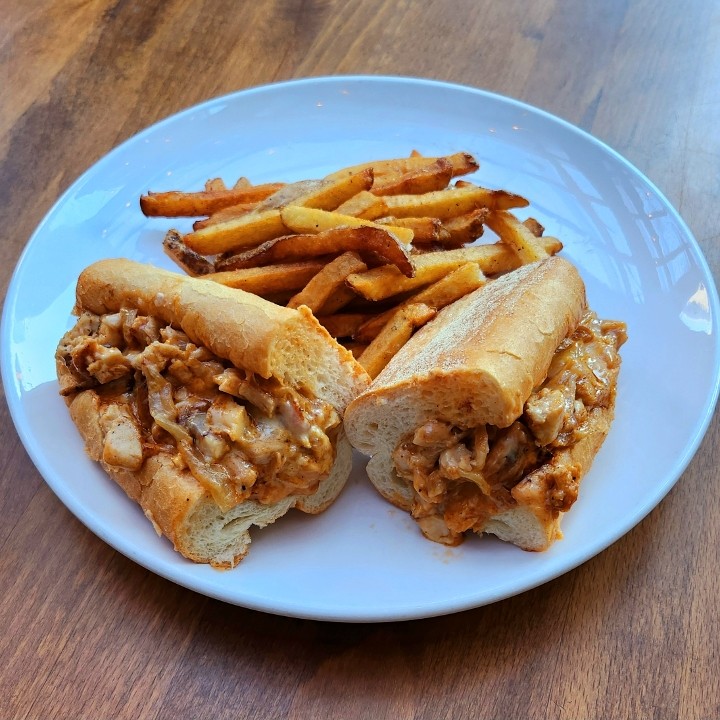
x=241, y=436
x=463, y=476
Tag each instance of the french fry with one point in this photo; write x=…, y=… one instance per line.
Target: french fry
x=434, y=176
x=363, y=205
x=193, y=204
x=324, y=194
x=270, y=280
x=327, y=282
x=215, y=185
x=335, y=191
x=248, y=230
x=517, y=236
x=191, y=262
x=447, y=290
x=343, y=325
x=384, y=282
x=310, y=242
x=337, y=300
x=425, y=230
x=534, y=227
x=464, y=229
x=357, y=349
x=452, y=287
x=290, y=193
x=393, y=336
x=228, y=213
x=364, y=240
x=309, y=220
x=383, y=167
x=368, y=330
x=445, y=204
x=462, y=164
x=253, y=228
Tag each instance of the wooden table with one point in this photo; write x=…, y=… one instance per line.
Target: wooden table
x=633, y=633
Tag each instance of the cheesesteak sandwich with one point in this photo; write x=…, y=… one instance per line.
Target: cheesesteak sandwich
x=212, y=408
x=489, y=416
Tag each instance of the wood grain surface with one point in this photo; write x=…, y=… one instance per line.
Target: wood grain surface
x=86, y=633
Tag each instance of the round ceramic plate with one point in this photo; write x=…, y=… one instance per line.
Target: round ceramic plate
x=362, y=560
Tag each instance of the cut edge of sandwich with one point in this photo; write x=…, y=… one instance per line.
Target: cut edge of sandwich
x=468, y=376
x=180, y=509
x=250, y=333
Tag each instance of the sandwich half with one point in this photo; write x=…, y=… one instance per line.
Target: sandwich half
x=212, y=408
x=490, y=415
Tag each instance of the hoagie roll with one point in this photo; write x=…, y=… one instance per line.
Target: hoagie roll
x=490, y=415
x=212, y=408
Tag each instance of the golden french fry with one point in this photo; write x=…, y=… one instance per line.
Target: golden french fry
x=357, y=349
x=310, y=220
x=327, y=282
x=248, y=230
x=434, y=176
x=324, y=194
x=215, y=185
x=368, y=330
x=452, y=287
x=193, y=204
x=191, y=262
x=366, y=213
x=270, y=280
x=425, y=230
x=364, y=240
x=228, y=213
x=534, y=226
x=363, y=205
x=384, y=282
x=462, y=164
x=517, y=236
x=464, y=229
x=337, y=300
x=447, y=290
x=499, y=199
x=393, y=336
x=335, y=191
x=343, y=325
x=445, y=204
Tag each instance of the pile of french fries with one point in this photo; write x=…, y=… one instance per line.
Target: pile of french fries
x=374, y=250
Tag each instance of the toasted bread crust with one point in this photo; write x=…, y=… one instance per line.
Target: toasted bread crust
x=477, y=363
x=254, y=335
x=250, y=332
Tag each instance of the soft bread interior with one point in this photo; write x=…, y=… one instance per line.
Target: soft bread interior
x=528, y=527
x=208, y=535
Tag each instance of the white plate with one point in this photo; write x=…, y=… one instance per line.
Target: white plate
x=362, y=560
